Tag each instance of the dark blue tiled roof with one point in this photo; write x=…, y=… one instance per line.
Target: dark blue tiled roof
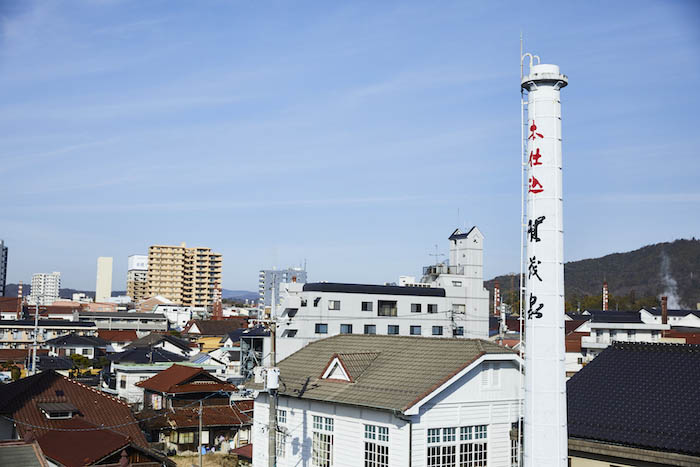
x=236, y=334
x=146, y=355
x=657, y=312
x=54, y=363
x=74, y=340
x=639, y=394
x=598, y=316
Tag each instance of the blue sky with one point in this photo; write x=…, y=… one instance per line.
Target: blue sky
x=352, y=135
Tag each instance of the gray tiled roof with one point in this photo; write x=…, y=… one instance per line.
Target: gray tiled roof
x=403, y=369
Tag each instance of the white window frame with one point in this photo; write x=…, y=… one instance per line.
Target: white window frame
x=334, y=305
x=376, y=446
x=465, y=446
x=322, y=441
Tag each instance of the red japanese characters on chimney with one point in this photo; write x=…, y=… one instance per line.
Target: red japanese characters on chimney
x=664, y=310
x=605, y=296
x=497, y=299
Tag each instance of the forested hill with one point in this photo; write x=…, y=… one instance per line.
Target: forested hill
x=641, y=275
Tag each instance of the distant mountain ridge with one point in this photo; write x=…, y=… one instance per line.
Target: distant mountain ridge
x=670, y=268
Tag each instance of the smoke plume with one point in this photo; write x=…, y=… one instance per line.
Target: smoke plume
x=669, y=283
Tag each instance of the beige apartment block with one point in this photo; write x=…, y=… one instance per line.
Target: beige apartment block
x=184, y=275
x=137, y=285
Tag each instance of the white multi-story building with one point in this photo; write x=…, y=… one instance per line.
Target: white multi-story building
x=103, y=283
x=386, y=401
x=137, y=277
x=270, y=283
x=45, y=288
x=449, y=300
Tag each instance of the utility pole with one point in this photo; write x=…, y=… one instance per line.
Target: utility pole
x=200, y=433
x=36, y=332
x=272, y=385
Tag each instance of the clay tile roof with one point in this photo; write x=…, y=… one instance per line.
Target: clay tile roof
x=221, y=328
x=642, y=395
x=180, y=379
x=155, y=338
x=238, y=414
x=244, y=451
x=573, y=324
x=405, y=369
x=117, y=336
x=20, y=401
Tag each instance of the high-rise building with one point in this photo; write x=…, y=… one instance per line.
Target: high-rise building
x=103, y=287
x=269, y=284
x=45, y=288
x=137, y=277
x=188, y=276
x=3, y=267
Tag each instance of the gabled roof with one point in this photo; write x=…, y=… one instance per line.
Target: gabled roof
x=146, y=355
x=117, y=336
x=74, y=340
x=19, y=401
x=395, y=372
x=679, y=313
x=458, y=234
x=156, y=338
x=373, y=289
x=572, y=325
x=208, y=327
x=179, y=379
x=641, y=395
x=236, y=334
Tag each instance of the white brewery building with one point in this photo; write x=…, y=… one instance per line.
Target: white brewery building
x=448, y=301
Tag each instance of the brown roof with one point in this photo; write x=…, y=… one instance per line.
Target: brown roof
x=179, y=379
x=19, y=400
x=18, y=355
x=238, y=414
x=405, y=369
x=117, y=336
x=244, y=451
x=209, y=327
x=573, y=324
x=95, y=444
x=9, y=303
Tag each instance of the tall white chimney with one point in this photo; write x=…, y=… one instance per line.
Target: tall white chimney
x=545, y=435
x=605, y=295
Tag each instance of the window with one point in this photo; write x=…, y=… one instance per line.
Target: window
x=392, y=329
x=322, y=443
x=448, y=449
x=304, y=302
x=370, y=329
x=415, y=308
x=316, y=300
x=655, y=334
x=346, y=328
x=631, y=335
x=86, y=351
x=458, y=308
x=432, y=308
x=281, y=441
x=415, y=330
x=376, y=446
x=386, y=308
x=122, y=382
x=457, y=283
x=321, y=328
x=281, y=416
x=289, y=333
x=489, y=374
x=334, y=304
x=514, y=452
x=186, y=437
x=367, y=306
x=458, y=331
x=437, y=330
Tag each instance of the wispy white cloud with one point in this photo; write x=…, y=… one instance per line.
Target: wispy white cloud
x=11, y=162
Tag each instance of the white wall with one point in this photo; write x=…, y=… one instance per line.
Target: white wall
x=468, y=401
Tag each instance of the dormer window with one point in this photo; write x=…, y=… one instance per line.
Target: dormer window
x=58, y=410
x=336, y=371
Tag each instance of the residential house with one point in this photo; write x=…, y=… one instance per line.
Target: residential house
x=74, y=425
x=166, y=342
x=61, y=365
x=676, y=318
x=636, y=404
x=175, y=393
x=10, y=308
x=117, y=340
x=91, y=347
x=393, y=401
x=19, y=334
x=213, y=328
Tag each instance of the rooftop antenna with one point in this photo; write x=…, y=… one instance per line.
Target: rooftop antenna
x=437, y=255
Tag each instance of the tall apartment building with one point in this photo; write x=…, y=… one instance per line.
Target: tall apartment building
x=269, y=282
x=103, y=286
x=45, y=288
x=3, y=267
x=137, y=277
x=188, y=276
